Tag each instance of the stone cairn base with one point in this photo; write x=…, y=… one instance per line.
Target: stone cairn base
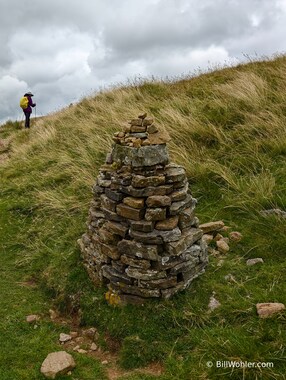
x=143, y=239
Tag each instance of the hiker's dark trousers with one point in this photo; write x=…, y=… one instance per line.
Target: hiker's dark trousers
x=27, y=119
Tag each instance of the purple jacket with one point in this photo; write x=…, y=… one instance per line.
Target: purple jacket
x=30, y=105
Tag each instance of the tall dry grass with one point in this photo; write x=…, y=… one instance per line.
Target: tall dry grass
x=228, y=126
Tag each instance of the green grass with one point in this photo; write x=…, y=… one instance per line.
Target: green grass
x=228, y=130
x=24, y=346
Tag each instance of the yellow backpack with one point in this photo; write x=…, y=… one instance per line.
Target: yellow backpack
x=24, y=102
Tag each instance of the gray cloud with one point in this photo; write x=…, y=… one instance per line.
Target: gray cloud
x=64, y=50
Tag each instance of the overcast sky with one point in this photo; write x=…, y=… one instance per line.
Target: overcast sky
x=62, y=50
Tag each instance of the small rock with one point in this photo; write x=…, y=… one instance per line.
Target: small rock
x=90, y=333
x=266, y=310
x=109, y=159
x=32, y=318
x=152, y=129
x=207, y=238
x=220, y=263
x=235, y=236
x=146, y=142
x=257, y=260
x=160, y=137
x=81, y=351
x=57, y=363
x=79, y=339
x=224, y=229
x=222, y=246
x=104, y=362
x=275, y=212
x=213, y=304
x=74, y=334
x=76, y=348
x=93, y=347
x=218, y=237
x=53, y=314
x=212, y=226
x=64, y=338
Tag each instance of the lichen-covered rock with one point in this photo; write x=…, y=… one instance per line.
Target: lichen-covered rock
x=144, y=156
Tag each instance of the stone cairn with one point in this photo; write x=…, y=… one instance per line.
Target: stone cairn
x=143, y=237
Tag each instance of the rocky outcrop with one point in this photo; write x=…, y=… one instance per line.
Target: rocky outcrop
x=143, y=239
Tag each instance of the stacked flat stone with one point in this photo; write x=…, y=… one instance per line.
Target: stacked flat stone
x=143, y=239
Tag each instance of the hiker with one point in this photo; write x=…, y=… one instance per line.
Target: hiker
x=27, y=103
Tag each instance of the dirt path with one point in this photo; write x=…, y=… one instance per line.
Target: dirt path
x=84, y=338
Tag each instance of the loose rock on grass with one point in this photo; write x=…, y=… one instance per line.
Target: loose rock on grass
x=57, y=363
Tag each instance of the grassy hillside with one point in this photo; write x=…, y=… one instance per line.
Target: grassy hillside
x=228, y=129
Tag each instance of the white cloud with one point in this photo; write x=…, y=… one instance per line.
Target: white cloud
x=186, y=61
x=12, y=87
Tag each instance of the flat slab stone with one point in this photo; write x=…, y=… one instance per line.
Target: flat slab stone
x=116, y=228
x=175, y=174
x=185, y=266
x=159, y=137
x=110, y=215
x=108, y=237
x=135, y=262
x=142, y=226
x=147, y=274
x=143, y=156
x=110, y=251
x=138, y=122
x=162, y=283
x=114, y=276
x=141, y=292
x=129, y=212
x=186, y=217
x=147, y=191
x=158, y=201
x=134, y=248
x=142, y=181
x=154, y=214
x=188, y=237
x=212, y=226
x=177, y=207
x=146, y=237
x=138, y=129
x=180, y=194
x=114, y=195
x=156, y=236
x=134, y=202
x=167, y=224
